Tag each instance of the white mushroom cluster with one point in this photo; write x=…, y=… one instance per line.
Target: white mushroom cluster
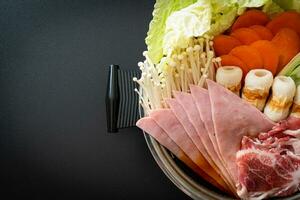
x=175, y=72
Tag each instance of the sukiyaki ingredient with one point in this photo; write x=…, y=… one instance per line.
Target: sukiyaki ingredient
x=184, y=108
x=249, y=55
x=269, y=53
x=296, y=105
x=245, y=35
x=272, y=9
x=283, y=92
x=201, y=98
x=152, y=128
x=223, y=44
x=175, y=73
x=269, y=166
x=230, y=77
x=288, y=43
x=249, y=18
x=166, y=119
x=233, y=118
x=154, y=40
x=292, y=69
x=196, y=137
x=192, y=114
x=288, y=19
x=257, y=85
x=230, y=60
x=263, y=32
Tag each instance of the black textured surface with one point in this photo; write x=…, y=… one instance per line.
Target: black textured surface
x=54, y=56
x=129, y=99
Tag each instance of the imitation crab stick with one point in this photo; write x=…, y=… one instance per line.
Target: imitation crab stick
x=289, y=19
x=224, y=43
x=245, y=35
x=269, y=53
x=262, y=31
x=249, y=55
x=230, y=60
x=288, y=43
x=249, y=18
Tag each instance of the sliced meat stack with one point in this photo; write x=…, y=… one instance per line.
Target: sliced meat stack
x=205, y=129
x=269, y=166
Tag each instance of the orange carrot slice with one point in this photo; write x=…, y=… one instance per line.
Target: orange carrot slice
x=249, y=55
x=224, y=43
x=269, y=53
x=230, y=60
x=262, y=31
x=288, y=43
x=249, y=18
x=245, y=35
x=288, y=19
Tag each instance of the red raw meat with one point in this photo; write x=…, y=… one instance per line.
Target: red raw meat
x=269, y=166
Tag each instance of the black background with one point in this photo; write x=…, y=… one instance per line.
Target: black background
x=53, y=68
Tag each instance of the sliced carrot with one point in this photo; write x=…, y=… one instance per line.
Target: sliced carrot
x=230, y=60
x=262, y=31
x=269, y=53
x=249, y=55
x=224, y=43
x=249, y=18
x=288, y=43
x=288, y=19
x=245, y=35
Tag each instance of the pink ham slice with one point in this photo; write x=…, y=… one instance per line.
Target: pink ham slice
x=191, y=111
x=151, y=127
x=182, y=117
x=233, y=118
x=166, y=119
x=201, y=98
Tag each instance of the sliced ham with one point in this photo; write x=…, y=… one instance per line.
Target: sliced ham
x=182, y=117
x=188, y=104
x=166, y=119
x=201, y=98
x=233, y=118
x=151, y=127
